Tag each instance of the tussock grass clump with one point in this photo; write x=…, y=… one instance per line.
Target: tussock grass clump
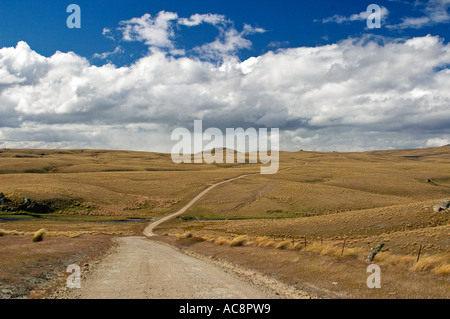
x=184, y=235
x=208, y=238
x=381, y=257
x=442, y=269
x=269, y=243
x=238, y=241
x=221, y=241
x=405, y=261
x=354, y=252
x=330, y=250
x=39, y=235
x=285, y=244
x=333, y=250
x=436, y=263
x=261, y=241
x=314, y=247
x=249, y=243
x=426, y=263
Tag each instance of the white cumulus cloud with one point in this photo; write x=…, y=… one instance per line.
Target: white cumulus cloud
x=197, y=19
x=357, y=94
x=362, y=16
x=157, y=31
x=434, y=12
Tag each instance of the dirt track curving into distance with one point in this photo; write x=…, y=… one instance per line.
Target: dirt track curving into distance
x=148, y=231
x=139, y=268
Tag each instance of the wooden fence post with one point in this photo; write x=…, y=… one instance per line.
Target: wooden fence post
x=418, y=255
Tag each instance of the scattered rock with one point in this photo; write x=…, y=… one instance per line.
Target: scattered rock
x=438, y=208
x=34, y=207
x=3, y=199
x=374, y=251
x=425, y=207
x=445, y=203
x=85, y=268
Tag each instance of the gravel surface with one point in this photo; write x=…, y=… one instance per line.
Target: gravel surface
x=139, y=268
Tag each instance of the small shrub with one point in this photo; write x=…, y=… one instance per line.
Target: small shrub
x=2, y=232
x=39, y=235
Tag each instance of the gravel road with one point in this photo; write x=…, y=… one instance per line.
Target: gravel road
x=139, y=268
x=148, y=231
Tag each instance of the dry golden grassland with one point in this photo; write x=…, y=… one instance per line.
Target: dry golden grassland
x=114, y=183
x=36, y=269
x=88, y=190
x=327, y=198
x=322, y=275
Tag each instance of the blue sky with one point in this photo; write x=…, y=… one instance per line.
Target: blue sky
x=311, y=68
x=291, y=23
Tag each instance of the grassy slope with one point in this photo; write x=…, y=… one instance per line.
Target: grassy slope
x=118, y=183
x=324, y=195
x=365, y=197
